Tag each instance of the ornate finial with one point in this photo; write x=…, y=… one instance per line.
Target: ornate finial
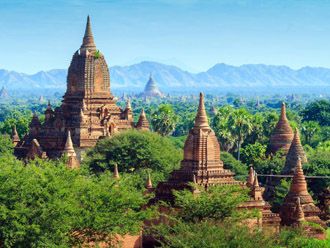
x=250, y=179
x=149, y=183
x=115, y=172
x=201, y=117
x=88, y=41
x=194, y=179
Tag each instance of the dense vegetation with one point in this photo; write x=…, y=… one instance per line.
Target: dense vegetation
x=43, y=204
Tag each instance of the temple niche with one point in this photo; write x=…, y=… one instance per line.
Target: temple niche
x=282, y=134
x=88, y=110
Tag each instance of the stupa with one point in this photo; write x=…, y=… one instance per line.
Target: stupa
x=151, y=89
x=282, y=135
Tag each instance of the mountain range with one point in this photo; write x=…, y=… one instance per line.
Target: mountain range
x=168, y=77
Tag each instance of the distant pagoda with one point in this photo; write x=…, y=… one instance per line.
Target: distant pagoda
x=282, y=134
x=151, y=89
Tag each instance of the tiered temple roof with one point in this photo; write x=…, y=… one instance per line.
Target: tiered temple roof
x=89, y=110
x=296, y=151
x=282, y=135
x=201, y=162
x=298, y=190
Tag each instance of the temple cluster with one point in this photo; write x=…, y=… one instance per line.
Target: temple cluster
x=89, y=112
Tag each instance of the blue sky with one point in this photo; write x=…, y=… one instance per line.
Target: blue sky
x=42, y=35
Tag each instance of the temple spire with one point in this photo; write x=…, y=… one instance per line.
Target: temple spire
x=283, y=112
x=143, y=123
x=68, y=149
x=299, y=214
x=298, y=185
x=201, y=117
x=128, y=104
x=88, y=40
x=256, y=182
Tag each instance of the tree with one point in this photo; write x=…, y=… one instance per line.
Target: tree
x=240, y=125
x=221, y=128
x=309, y=130
x=134, y=150
x=45, y=204
x=234, y=165
x=164, y=119
x=318, y=111
x=252, y=152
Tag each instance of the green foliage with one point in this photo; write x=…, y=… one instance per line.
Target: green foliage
x=6, y=145
x=43, y=203
x=252, y=152
x=309, y=130
x=270, y=165
x=217, y=203
x=234, y=165
x=97, y=54
x=164, y=119
x=134, y=150
x=318, y=111
x=281, y=191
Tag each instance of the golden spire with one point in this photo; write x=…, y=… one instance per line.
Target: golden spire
x=149, y=183
x=115, y=172
x=68, y=149
x=88, y=40
x=201, y=117
x=283, y=112
x=250, y=179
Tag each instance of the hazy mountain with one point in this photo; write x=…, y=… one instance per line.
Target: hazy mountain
x=220, y=76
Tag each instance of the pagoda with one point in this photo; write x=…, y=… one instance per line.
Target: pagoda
x=201, y=163
x=151, y=89
x=88, y=108
x=143, y=123
x=282, y=134
x=296, y=151
x=298, y=192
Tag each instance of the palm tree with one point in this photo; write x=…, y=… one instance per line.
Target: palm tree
x=164, y=119
x=240, y=125
x=309, y=129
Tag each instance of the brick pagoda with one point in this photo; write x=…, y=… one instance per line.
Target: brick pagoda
x=282, y=134
x=298, y=193
x=88, y=109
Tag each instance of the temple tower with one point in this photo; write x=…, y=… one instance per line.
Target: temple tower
x=282, y=134
x=201, y=163
x=14, y=136
x=151, y=89
x=298, y=189
x=296, y=151
x=69, y=151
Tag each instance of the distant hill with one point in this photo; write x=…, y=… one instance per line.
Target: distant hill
x=168, y=77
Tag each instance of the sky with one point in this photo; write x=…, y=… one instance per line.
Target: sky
x=192, y=34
